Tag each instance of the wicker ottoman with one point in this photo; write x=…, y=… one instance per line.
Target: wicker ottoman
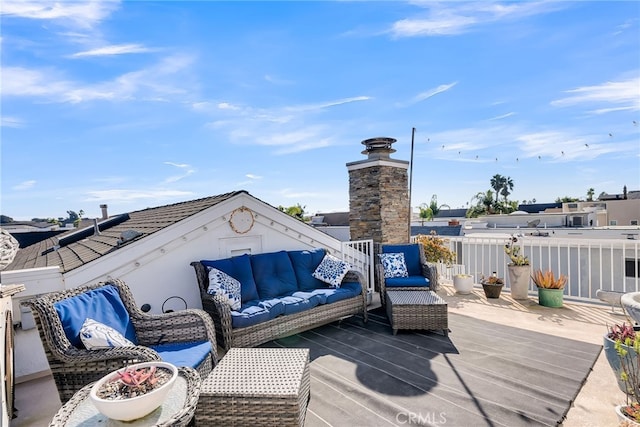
x=256, y=387
x=416, y=310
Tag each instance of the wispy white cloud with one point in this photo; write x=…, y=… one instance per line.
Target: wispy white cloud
x=25, y=185
x=433, y=92
x=153, y=83
x=623, y=92
x=252, y=176
x=503, y=116
x=11, y=122
x=188, y=170
x=116, y=49
x=79, y=14
x=123, y=195
x=452, y=18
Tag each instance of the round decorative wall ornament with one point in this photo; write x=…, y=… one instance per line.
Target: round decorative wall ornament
x=241, y=220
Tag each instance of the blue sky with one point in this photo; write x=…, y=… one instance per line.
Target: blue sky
x=141, y=104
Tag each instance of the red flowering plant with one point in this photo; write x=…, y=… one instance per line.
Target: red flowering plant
x=626, y=339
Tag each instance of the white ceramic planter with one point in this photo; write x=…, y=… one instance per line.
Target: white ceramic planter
x=519, y=276
x=135, y=407
x=463, y=283
x=623, y=417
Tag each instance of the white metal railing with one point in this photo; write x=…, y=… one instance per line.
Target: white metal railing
x=589, y=264
x=360, y=255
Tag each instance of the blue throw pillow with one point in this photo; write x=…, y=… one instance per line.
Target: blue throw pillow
x=103, y=305
x=220, y=283
x=238, y=267
x=411, y=256
x=393, y=265
x=332, y=270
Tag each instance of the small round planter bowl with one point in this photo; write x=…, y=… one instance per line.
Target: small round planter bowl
x=463, y=283
x=622, y=417
x=135, y=407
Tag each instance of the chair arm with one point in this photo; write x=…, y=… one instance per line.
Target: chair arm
x=220, y=313
x=359, y=277
x=110, y=356
x=190, y=325
x=430, y=271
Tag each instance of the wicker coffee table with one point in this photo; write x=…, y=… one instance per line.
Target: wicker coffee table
x=417, y=310
x=256, y=387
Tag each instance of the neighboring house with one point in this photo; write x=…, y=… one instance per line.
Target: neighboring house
x=151, y=250
x=335, y=224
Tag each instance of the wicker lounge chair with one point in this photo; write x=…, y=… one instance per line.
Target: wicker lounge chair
x=421, y=268
x=74, y=367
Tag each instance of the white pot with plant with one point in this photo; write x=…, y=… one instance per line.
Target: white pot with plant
x=518, y=269
x=627, y=347
x=135, y=391
x=463, y=283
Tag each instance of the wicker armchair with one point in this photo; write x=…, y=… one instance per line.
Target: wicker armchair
x=426, y=269
x=73, y=367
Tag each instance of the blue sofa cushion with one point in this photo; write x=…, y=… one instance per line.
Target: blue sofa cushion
x=250, y=314
x=345, y=291
x=273, y=274
x=411, y=256
x=416, y=281
x=274, y=305
x=102, y=305
x=238, y=267
x=190, y=354
x=304, y=264
x=319, y=297
x=296, y=304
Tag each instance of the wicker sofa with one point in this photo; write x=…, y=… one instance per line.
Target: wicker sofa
x=280, y=296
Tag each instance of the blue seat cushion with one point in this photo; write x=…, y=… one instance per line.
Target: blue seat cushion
x=190, y=354
x=273, y=274
x=411, y=256
x=304, y=264
x=319, y=297
x=238, y=267
x=345, y=291
x=274, y=305
x=296, y=304
x=102, y=305
x=250, y=314
x=416, y=281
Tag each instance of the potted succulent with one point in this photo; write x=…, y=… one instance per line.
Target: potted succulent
x=622, y=345
x=134, y=391
x=518, y=269
x=463, y=283
x=550, y=288
x=492, y=285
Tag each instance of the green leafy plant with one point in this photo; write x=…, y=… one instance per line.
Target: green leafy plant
x=626, y=338
x=513, y=251
x=436, y=248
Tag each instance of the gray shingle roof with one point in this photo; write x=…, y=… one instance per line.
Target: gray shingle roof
x=77, y=253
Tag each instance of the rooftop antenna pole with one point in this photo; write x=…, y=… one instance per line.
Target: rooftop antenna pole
x=413, y=134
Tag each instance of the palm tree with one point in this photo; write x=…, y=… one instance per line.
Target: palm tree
x=590, y=194
x=507, y=186
x=497, y=182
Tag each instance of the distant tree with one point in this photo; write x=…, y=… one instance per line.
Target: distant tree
x=507, y=187
x=74, y=217
x=295, y=211
x=484, y=205
x=5, y=219
x=497, y=182
x=435, y=209
x=566, y=199
x=590, y=194
x=425, y=213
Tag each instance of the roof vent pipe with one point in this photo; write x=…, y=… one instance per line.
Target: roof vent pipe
x=96, y=229
x=105, y=215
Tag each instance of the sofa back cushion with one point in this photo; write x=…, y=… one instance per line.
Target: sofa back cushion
x=103, y=304
x=273, y=274
x=238, y=267
x=411, y=256
x=304, y=264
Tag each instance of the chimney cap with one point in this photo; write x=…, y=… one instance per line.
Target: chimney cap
x=379, y=147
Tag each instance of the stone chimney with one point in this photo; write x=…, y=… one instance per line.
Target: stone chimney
x=105, y=215
x=379, y=194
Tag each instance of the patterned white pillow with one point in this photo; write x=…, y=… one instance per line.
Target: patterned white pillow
x=95, y=336
x=332, y=270
x=220, y=283
x=394, y=265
